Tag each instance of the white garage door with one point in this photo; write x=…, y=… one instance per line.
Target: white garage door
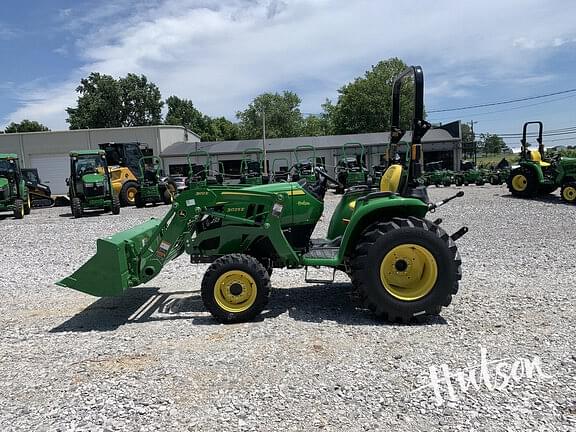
x=53, y=170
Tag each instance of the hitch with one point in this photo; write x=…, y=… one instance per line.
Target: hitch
x=434, y=206
x=459, y=233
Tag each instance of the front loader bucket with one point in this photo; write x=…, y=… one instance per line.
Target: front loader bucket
x=115, y=267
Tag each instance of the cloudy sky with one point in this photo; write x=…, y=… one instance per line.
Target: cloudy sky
x=222, y=53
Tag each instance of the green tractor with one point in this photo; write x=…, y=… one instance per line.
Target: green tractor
x=280, y=170
x=304, y=166
x=499, y=174
x=537, y=176
x=89, y=184
x=151, y=189
x=403, y=264
x=198, y=172
x=350, y=169
x=436, y=175
x=470, y=174
x=252, y=167
x=14, y=195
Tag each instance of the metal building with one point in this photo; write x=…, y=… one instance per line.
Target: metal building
x=440, y=144
x=48, y=151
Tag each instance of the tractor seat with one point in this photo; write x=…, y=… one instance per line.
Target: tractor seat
x=390, y=181
x=535, y=156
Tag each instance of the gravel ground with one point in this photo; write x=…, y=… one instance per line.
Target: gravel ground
x=155, y=360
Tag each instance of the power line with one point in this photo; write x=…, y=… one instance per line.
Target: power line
x=502, y=102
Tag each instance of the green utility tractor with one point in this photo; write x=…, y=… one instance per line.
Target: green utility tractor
x=499, y=173
x=535, y=176
x=280, y=170
x=197, y=171
x=14, y=194
x=89, y=184
x=403, y=264
x=350, y=170
x=304, y=166
x=252, y=167
x=469, y=174
x=436, y=175
x=40, y=193
x=151, y=189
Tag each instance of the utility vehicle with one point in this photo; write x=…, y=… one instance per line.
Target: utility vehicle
x=14, y=194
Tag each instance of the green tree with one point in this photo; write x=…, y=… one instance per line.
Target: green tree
x=492, y=144
x=222, y=129
x=105, y=102
x=316, y=125
x=26, y=126
x=364, y=105
x=283, y=116
x=141, y=101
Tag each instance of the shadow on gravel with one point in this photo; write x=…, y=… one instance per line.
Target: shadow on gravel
x=87, y=214
x=314, y=303
x=551, y=199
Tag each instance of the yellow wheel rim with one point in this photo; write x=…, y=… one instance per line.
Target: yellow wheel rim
x=235, y=291
x=408, y=272
x=569, y=193
x=519, y=182
x=131, y=194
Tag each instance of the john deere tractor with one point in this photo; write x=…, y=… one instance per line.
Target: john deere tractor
x=151, y=189
x=280, y=170
x=305, y=157
x=252, y=167
x=537, y=176
x=350, y=170
x=403, y=264
x=89, y=184
x=14, y=195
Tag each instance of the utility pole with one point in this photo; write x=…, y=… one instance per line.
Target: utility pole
x=472, y=123
x=264, y=142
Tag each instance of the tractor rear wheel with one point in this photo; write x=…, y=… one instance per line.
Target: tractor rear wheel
x=235, y=288
x=128, y=193
x=405, y=268
x=138, y=200
x=115, y=204
x=568, y=192
x=19, y=209
x=522, y=183
x=27, y=206
x=76, y=206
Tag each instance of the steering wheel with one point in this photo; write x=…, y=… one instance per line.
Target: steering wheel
x=324, y=174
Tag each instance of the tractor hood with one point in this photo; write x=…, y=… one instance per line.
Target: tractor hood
x=3, y=182
x=93, y=178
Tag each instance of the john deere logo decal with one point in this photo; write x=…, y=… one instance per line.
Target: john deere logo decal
x=303, y=203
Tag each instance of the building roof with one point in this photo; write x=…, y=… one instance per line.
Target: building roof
x=283, y=144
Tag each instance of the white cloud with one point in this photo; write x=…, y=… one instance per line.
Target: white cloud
x=222, y=53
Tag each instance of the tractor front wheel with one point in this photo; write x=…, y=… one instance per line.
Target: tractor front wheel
x=27, y=206
x=522, y=183
x=568, y=192
x=138, y=200
x=235, y=288
x=405, y=268
x=76, y=206
x=115, y=204
x=19, y=209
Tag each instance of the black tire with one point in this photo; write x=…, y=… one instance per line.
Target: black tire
x=531, y=184
x=243, y=264
x=546, y=189
x=167, y=197
x=466, y=183
x=115, y=204
x=495, y=180
x=480, y=182
x=378, y=241
x=27, y=205
x=128, y=191
x=76, y=206
x=447, y=183
x=568, y=192
x=458, y=181
x=138, y=200
x=19, y=209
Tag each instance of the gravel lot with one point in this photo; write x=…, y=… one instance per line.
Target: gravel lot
x=155, y=360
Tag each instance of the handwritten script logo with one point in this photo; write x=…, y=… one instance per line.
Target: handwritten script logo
x=493, y=375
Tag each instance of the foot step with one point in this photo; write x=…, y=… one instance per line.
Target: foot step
x=317, y=279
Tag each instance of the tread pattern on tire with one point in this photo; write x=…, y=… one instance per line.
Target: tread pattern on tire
x=241, y=262
x=367, y=240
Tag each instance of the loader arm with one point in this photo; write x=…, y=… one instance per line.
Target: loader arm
x=136, y=256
